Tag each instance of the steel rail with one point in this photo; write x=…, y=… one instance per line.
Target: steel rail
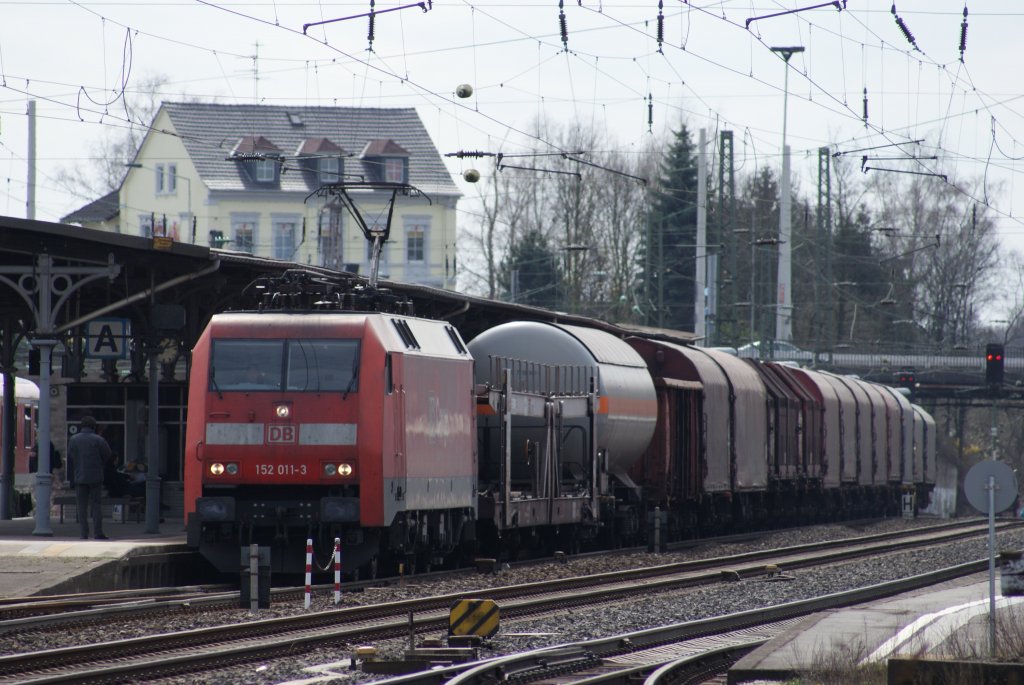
x=154, y=654
x=536, y=665
x=39, y=612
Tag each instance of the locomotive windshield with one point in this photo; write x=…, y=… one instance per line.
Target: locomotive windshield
x=294, y=365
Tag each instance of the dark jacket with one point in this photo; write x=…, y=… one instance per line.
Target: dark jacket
x=88, y=453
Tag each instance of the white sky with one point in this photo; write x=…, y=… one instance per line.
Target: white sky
x=713, y=71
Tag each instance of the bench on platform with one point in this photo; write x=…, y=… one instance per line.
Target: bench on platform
x=128, y=504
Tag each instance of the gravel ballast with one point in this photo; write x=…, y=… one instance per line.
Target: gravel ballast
x=534, y=632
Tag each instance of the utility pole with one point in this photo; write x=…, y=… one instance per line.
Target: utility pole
x=784, y=309
x=30, y=198
x=727, y=237
x=701, y=281
x=824, y=298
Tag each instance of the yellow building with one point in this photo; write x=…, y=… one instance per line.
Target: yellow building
x=246, y=178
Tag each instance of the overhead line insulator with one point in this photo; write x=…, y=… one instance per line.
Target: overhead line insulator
x=963, y=35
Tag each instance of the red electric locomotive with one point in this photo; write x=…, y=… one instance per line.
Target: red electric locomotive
x=327, y=422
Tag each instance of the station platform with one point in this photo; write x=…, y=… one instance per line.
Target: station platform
x=914, y=623
x=32, y=565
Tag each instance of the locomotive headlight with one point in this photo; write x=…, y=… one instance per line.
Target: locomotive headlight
x=337, y=470
x=219, y=469
x=283, y=411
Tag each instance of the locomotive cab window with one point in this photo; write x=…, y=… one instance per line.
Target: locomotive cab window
x=297, y=365
x=246, y=365
x=323, y=365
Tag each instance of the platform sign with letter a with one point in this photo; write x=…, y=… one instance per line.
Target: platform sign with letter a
x=473, y=617
x=107, y=339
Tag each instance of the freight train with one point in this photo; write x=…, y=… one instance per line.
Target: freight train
x=329, y=415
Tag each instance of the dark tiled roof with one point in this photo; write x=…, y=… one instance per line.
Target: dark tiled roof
x=319, y=146
x=255, y=145
x=103, y=209
x=210, y=132
x=384, y=148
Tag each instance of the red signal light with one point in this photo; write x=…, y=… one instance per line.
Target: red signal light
x=994, y=353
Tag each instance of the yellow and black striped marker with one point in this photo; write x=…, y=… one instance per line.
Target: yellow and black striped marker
x=473, y=617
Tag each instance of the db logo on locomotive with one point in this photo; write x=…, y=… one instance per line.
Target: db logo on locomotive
x=280, y=434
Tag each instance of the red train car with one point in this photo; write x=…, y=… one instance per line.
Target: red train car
x=26, y=402
x=325, y=424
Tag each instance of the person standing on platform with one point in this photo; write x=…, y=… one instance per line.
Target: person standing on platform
x=89, y=453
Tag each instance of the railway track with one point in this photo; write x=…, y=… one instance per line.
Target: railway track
x=668, y=655
x=38, y=613
x=174, y=653
x=14, y=608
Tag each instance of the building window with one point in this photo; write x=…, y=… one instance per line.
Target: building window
x=330, y=170
x=146, y=225
x=417, y=237
x=158, y=172
x=266, y=170
x=284, y=238
x=243, y=234
x=414, y=246
x=394, y=170
x=172, y=178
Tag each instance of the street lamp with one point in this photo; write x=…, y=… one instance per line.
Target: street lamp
x=175, y=175
x=784, y=313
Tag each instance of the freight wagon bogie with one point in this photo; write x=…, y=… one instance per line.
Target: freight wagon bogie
x=425, y=540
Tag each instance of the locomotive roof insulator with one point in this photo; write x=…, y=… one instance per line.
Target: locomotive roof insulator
x=308, y=291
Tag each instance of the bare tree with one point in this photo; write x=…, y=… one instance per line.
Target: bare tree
x=590, y=217
x=940, y=251
x=1013, y=294
x=118, y=144
x=490, y=237
x=621, y=219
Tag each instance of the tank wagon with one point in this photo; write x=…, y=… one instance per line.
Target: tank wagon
x=571, y=409
x=390, y=432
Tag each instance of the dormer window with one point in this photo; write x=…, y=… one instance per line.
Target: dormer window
x=330, y=170
x=266, y=170
x=322, y=159
x=394, y=170
x=386, y=160
x=259, y=157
